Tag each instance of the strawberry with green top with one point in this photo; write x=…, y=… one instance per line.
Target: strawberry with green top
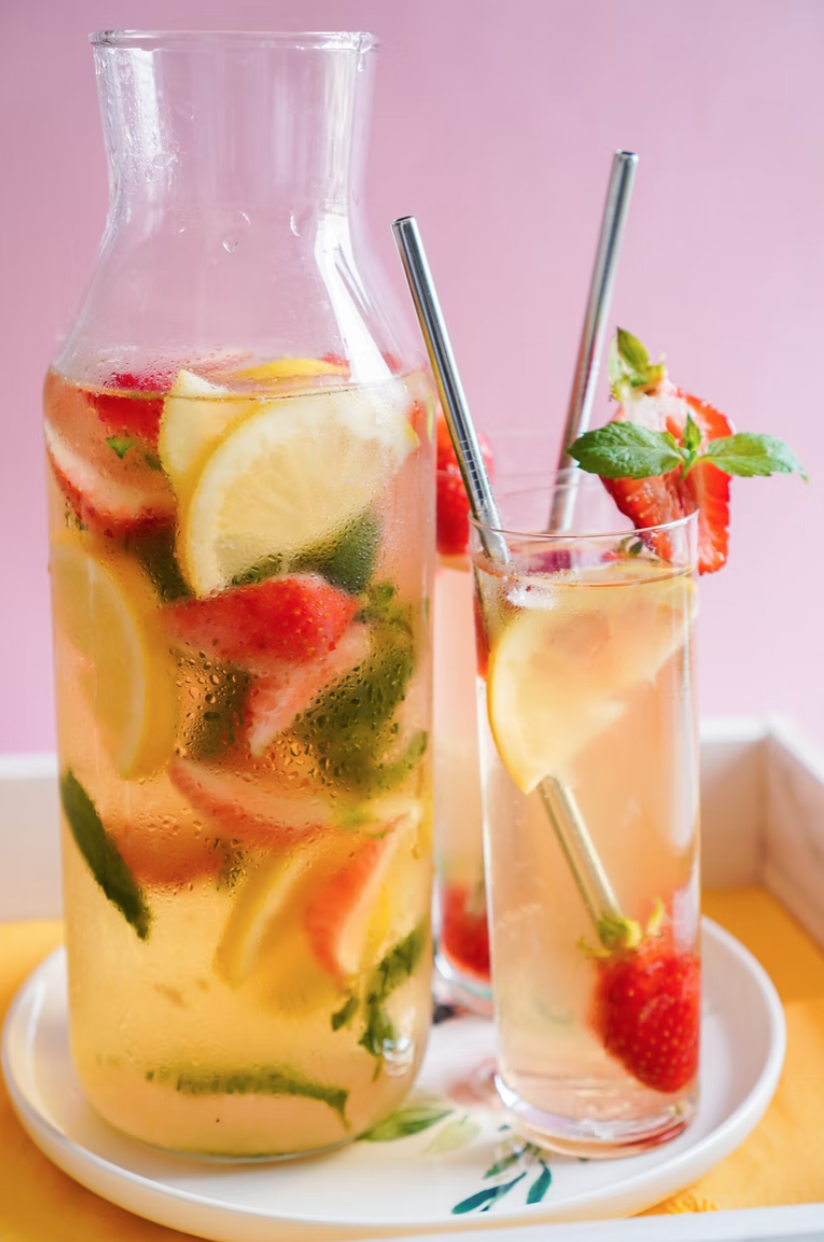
x=647, y=1011
x=667, y=453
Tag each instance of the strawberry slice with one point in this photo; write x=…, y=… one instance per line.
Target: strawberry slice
x=647, y=1012
x=452, y=502
x=280, y=694
x=116, y=500
x=173, y=857
x=464, y=930
x=127, y=411
x=249, y=809
x=342, y=907
x=647, y=397
x=298, y=619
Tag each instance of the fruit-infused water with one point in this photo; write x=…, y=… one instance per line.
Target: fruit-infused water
x=463, y=938
x=588, y=722
x=240, y=598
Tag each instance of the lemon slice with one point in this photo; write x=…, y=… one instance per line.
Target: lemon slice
x=108, y=612
x=561, y=666
x=195, y=415
x=292, y=368
x=290, y=476
x=263, y=898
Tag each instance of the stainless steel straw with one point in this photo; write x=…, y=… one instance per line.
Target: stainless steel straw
x=562, y=809
x=591, y=347
x=450, y=388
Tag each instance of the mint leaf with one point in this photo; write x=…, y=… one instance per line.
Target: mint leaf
x=154, y=550
x=152, y=462
x=347, y=561
x=119, y=444
x=343, y=1016
x=215, y=720
x=746, y=454
x=632, y=352
x=350, y=561
x=626, y=451
x=263, y=1080
x=691, y=439
x=102, y=855
x=350, y=729
x=629, y=365
x=379, y=1034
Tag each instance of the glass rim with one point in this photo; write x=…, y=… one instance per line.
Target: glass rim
x=573, y=534
x=307, y=40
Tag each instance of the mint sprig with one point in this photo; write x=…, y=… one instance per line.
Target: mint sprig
x=627, y=451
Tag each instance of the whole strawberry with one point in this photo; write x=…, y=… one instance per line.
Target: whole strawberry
x=647, y=1012
x=452, y=501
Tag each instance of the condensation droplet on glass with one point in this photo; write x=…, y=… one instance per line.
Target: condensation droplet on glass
x=229, y=244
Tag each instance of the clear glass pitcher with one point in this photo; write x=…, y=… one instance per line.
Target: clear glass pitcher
x=238, y=436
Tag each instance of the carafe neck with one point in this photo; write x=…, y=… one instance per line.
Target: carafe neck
x=262, y=125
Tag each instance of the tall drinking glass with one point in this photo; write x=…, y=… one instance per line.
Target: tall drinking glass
x=590, y=782
x=240, y=481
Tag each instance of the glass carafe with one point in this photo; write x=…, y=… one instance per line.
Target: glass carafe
x=238, y=438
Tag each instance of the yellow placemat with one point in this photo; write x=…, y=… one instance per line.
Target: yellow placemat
x=778, y=1164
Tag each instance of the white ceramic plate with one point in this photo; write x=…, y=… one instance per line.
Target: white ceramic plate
x=439, y=1173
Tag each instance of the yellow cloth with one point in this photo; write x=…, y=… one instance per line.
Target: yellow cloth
x=778, y=1164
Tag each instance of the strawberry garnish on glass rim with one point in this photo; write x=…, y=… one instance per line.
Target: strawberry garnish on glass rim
x=666, y=453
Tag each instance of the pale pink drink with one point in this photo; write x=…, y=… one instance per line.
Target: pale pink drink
x=586, y=664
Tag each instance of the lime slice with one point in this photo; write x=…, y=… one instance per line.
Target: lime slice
x=108, y=612
x=565, y=659
x=292, y=475
x=195, y=415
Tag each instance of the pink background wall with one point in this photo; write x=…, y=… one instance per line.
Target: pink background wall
x=494, y=124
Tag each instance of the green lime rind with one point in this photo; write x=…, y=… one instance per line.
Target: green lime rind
x=261, y=1080
x=102, y=855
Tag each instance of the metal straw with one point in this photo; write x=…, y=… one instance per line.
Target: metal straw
x=591, y=347
x=453, y=399
x=587, y=870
